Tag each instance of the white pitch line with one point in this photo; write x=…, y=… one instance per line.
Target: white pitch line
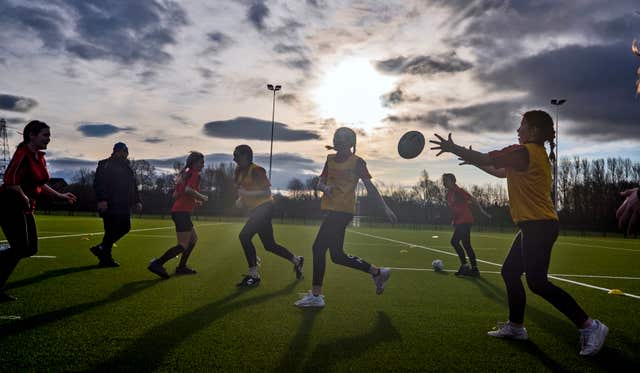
x=550, y=274
x=563, y=241
x=10, y=317
x=43, y=256
x=490, y=263
x=133, y=230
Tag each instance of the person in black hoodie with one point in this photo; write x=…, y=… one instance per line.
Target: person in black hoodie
x=116, y=193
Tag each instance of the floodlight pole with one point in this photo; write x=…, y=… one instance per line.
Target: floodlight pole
x=556, y=103
x=275, y=89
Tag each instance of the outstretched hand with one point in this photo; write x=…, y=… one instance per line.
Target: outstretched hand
x=444, y=145
x=629, y=212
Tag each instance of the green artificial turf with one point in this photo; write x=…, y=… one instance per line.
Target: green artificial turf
x=75, y=316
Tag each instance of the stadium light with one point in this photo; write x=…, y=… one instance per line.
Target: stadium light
x=557, y=102
x=273, y=115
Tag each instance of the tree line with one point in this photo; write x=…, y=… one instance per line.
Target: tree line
x=588, y=193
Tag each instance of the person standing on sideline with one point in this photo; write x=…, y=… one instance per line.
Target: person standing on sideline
x=116, y=192
x=458, y=201
x=527, y=169
x=338, y=182
x=254, y=193
x=187, y=196
x=24, y=180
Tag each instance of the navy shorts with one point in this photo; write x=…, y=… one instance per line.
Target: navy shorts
x=182, y=219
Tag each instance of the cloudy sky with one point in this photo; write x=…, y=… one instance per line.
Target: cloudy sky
x=168, y=77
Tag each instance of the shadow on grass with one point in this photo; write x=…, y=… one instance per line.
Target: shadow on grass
x=32, y=322
x=326, y=355
x=147, y=352
x=607, y=358
x=292, y=360
x=49, y=274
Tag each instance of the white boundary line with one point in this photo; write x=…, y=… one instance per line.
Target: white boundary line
x=99, y=233
x=43, y=256
x=497, y=273
x=487, y=262
x=563, y=241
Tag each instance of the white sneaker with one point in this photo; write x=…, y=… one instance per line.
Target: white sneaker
x=381, y=279
x=592, y=338
x=507, y=330
x=310, y=300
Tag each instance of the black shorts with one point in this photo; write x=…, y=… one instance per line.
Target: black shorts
x=182, y=219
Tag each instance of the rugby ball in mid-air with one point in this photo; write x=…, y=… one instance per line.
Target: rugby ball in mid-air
x=411, y=144
x=437, y=265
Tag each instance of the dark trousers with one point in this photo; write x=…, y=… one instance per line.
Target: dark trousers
x=115, y=227
x=530, y=254
x=331, y=237
x=462, y=239
x=259, y=223
x=20, y=230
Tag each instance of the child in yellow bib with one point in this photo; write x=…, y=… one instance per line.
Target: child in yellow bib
x=338, y=182
x=527, y=169
x=254, y=191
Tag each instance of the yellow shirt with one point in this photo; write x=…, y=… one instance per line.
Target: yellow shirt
x=530, y=190
x=343, y=178
x=252, y=179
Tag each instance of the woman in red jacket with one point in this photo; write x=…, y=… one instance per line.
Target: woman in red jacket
x=24, y=180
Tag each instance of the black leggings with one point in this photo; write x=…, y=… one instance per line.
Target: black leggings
x=259, y=222
x=331, y=236
x=115, y=227
x=20, y=229
x=530, y=253
x=462, y=233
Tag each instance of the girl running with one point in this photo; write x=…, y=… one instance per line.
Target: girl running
x=254, y=191
x=338, y=183
x=24, y=180
x=187, y=196
x=528, y=172
x=458, y=200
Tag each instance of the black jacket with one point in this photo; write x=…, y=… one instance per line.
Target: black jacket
x=115, y=183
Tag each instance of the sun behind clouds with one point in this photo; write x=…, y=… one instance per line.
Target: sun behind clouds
x=350, y=92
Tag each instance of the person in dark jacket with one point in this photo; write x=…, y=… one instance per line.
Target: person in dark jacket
x=116, y=193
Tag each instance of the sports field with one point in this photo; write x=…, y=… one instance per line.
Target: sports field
x=73, y=316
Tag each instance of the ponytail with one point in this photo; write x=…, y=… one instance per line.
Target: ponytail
x=542, y=121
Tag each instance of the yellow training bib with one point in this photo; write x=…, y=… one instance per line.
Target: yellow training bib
x=343, y=178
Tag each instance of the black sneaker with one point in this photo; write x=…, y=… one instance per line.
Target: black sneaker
x=297, y=268
x=108, y=263
x=184, y=270
x=463, y=271
x=473, y=272
x=4, y=297
x=97, y=251
x=158, y=269
x=248, y=281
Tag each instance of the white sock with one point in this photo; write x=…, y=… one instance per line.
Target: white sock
x=253, y=272
x=296, y=260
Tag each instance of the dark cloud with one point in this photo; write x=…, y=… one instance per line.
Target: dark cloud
x=16, y=103
x=257, y=13
x=288, y=98
x=299, y=63
x=255, y=129
x=126, y=32
x=15, y=120
x=287, y=48
x=154, y=140
x=205, y=73
x=597, y=81
x=101, y=129
x=180, y=119
x=218, y=41
x=397, y=97
x=424, y=65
